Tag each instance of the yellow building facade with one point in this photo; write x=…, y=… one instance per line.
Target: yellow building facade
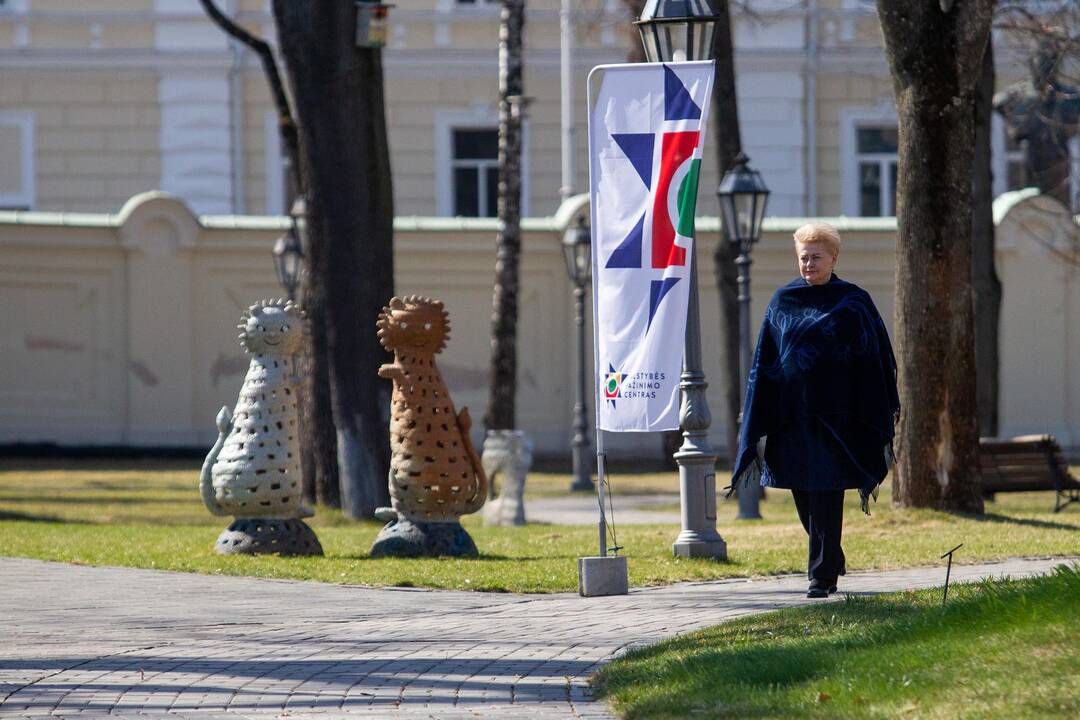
x=102, y=99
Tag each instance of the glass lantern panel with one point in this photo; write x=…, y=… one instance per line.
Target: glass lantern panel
x=730, y=225
x=650, y=39
x=702, y=41
x=744, y=216
x=290, y=264
x=760, y=201
x=583, y=255
x=679, y=41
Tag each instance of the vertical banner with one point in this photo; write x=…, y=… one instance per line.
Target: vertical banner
x=645, y=138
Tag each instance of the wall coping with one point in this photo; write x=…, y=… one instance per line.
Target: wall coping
x=1003, y=205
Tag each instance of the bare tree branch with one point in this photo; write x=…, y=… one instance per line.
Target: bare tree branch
x=286, y=124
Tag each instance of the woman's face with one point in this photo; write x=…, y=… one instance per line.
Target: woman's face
x=816, y=263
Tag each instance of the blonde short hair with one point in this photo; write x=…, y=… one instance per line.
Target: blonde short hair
x=819, y=232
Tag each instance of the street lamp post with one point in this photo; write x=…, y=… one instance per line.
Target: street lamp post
x=676, y=31
x=743, y=197
x=289, y=250
x=578, y=253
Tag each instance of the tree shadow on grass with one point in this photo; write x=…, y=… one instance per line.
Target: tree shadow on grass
x=27, y=517
x=486, y=557
x=1026, y=522
x=85, y=500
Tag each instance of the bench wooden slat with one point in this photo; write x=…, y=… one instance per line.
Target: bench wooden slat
x=1014, y=462
x=1025, y=463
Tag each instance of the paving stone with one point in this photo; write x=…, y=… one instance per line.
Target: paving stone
x=84, y=642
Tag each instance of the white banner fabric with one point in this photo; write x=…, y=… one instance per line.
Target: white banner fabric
x=645, y=137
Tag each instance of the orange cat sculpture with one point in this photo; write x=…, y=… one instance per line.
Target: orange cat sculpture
x=435, y=472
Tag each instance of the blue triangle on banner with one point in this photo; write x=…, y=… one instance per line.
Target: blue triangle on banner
x=659, y=289
x=639, y=149
x=678, y=105
x=628, y=254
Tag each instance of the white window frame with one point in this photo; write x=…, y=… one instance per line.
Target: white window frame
x=22, y=26
x=478, y=117
x=27, y=196
x=851, y=119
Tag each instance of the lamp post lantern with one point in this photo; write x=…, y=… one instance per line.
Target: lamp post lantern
x=676, y=31
x=577, y=250
x=743, y=197
x=289, y=250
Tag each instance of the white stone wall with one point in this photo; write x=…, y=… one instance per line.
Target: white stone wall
x=125, y=329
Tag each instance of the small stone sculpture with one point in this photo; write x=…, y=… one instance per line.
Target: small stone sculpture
x=507, y=455
x=253, y=471
x=435, y=472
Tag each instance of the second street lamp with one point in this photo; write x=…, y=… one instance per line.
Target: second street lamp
x=289, y=251
x=674, y=31
x=577, y=249
x=743, y=197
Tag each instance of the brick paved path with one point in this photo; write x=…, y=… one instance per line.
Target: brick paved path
x=79, y=641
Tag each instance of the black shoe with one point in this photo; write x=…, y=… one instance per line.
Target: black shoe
x=817, y=592
x=832, y=589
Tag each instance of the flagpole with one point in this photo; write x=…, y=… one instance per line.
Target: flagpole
x=601, y=476
x=601, y=464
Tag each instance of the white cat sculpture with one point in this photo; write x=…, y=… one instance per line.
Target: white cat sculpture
x=253, y=471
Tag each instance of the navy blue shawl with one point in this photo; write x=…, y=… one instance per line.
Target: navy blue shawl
x=823, y=355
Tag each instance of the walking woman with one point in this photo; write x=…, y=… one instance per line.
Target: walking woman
x=822, y=396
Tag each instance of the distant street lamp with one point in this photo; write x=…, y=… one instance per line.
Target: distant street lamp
x=578, y=252
x=674, y=31
x=289, y=250
x=743, y=197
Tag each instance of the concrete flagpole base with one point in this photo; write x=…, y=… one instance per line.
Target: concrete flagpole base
x=598, y=576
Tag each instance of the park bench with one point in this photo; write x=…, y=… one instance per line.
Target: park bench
x=1027, y=463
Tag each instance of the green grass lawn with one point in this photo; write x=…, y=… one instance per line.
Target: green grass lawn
x=998, y=650
x=148, y=514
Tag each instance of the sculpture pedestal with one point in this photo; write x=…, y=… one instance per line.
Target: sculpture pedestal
x=507, y=455
x=413, y=538
x=264, y=536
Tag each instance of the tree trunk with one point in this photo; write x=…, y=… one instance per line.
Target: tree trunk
x=501, y=411
x=935, y=56
x=728, y=144
x=635, y=50
x=984, y=279
x=338, y=92
x=318, y=431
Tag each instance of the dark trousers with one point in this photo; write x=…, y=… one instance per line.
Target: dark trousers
x=822, y=516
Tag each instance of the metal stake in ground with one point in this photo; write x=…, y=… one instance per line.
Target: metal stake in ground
x=948, y=571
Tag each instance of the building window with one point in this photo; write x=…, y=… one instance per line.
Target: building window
x=475, y=164
x=17, y=172
x=876, y=155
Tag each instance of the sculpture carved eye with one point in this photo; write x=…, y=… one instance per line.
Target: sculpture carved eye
x=427, y=326
x=284, y=328
x=260, y=328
